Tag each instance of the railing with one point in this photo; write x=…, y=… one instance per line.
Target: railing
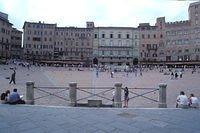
x=74, y=95
x=147, y=91
x=100, y=92
x=51, y=91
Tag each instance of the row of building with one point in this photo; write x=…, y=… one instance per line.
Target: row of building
x=164, y=42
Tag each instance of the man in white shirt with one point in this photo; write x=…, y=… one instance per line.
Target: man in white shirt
x=182, y=101
x=193, y=101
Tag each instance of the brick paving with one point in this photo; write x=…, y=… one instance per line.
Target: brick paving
x=51, y=76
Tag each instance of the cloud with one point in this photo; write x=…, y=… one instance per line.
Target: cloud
x=102, y=12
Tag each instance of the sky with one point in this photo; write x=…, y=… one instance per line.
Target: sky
x=122, y=13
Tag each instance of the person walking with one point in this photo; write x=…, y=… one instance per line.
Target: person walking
x=13, y=77
x=126, y=98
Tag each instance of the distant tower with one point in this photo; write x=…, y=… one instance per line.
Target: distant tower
x=89, y=24
x=160, y=22
x=194, y=13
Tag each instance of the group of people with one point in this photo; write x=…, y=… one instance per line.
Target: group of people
x=183, y=101
x=11, y=98
x=175, y=75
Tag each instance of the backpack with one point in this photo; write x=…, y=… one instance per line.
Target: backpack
x=3, y=96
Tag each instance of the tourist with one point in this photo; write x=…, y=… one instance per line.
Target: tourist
x=172, y=75
x=111, y=74
x=193, y=101
x=13, y=77
x=126, y=98
x=5, y=97
x=113, y=96
x=182, y=101
x=140, y=71
x=14, y=98
x=176, y=75
x=180, y=74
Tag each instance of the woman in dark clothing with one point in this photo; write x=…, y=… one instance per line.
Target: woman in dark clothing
x=126, y=98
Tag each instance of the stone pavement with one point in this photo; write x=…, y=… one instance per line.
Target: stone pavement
x=43, y=119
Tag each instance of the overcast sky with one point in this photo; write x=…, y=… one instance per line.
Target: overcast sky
x=125, y=13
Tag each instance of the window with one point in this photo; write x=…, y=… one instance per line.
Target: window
x=95, y=35
x=154, y=36
x=143, y=36
x=135, y=36
x=127, y=43
x=119, y=35
x=103, y=35
x=102, y=52
x=127, y=36
x=36, y=39
x=119, y=43
x=103, y=42
x=161, y=36
x=111, y=52
x=111, y=43
x=127, y=52
x=148, y=36
x=186, y=50
x=111, y=35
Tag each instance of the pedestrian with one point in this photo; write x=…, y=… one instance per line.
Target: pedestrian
x=111, y=74
x=193, y=101
x=176, y=75
x=13, y=77
x=140, y=71
x=181, y=74
x=172, y=75
x=5, y=97
x=97, y=73
x=126, y=98
x=182, y=100
x=113, y=96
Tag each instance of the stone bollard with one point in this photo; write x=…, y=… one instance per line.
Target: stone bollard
x=162, y=96
x=30, y=92
x=72, y=93
x=117, y=96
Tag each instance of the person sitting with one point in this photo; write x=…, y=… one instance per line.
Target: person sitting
x=5, y=97
x=182, y=101
x=193, y=101
x=14, y=98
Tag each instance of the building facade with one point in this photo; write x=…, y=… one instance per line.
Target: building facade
x=183, y=37
x=5, y=36
x=171, y=41
x=16, y=51
x=116, y=45
x=47, y=42
x=38, y=41
x=163, y=42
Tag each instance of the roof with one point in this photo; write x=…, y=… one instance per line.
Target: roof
x=5, y=20
x=110, y=27
x=37, y=23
